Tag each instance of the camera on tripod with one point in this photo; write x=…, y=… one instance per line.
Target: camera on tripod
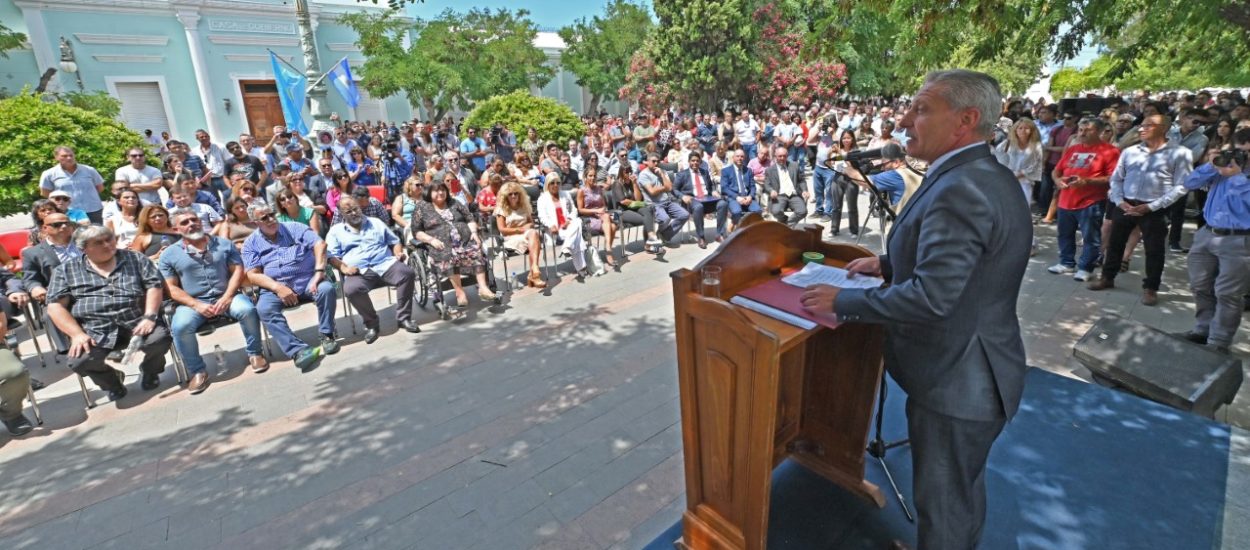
x=496, y=134
x=392, y=148
x=1230, y=156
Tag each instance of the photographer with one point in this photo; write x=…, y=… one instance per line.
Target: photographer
x=504, y=142
x=1219, y=275
x=895, y=179
x=396, y=167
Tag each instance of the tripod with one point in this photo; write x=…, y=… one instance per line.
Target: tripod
x=878, y=447
x=878, y=207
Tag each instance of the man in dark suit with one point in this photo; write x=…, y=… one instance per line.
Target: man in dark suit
x=694, y=186
x=39, y=261
x=952, y=335
x=787, y=188
x=737, y=186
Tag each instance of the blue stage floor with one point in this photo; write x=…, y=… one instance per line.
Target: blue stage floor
x=1080, y=467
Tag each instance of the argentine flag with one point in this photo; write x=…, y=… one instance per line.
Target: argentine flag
x=341, y=78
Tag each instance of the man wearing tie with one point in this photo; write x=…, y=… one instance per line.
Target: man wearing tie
x=694, y=186
x=787, y=190
x=955, y=261
x=738, y=187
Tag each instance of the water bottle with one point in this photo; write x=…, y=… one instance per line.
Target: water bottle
x=130, y=357
x=221, y=358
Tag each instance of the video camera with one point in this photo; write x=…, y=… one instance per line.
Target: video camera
x=496, y=134
x=392, y=147
x=1229, y=156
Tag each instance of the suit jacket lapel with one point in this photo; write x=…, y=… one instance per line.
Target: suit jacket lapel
x=969, y=155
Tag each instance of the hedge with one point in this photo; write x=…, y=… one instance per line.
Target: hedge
x=31, y=128
x=520, y=110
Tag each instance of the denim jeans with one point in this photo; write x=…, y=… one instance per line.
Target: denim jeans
x=797, y=153
x=749, y=149
x=1088, y=221
x=270, y=308
x=822, y=183
x=186, y=321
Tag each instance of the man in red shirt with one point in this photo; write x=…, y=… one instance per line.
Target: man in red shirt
x=1082, y=176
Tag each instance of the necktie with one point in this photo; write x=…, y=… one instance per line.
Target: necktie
x=741, y=190
x=698, y=187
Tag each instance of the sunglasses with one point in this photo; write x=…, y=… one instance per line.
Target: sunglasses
x=59, y=199
x=56, y=225
x=267, y=217
x=188, y=221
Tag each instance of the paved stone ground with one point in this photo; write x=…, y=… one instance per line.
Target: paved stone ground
x=551, y=422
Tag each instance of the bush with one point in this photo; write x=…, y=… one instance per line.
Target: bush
x=30, y=129
x=520, y=110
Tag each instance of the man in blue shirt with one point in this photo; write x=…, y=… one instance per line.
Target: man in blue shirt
x=369, y=255
x=204, y=274
x=288, y=261
x=705, y=133
x=474, y=149
x=1218, y=273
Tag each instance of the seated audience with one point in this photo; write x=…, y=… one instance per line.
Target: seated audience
x=287, y=260
x=369, y=255
x=290, y=209
x=100, y=300
x=558, y=213
x=657, y=190
x=204, y=274
x=787, y=188
x=514, y=218
x=125, y=223
x=155, y=232
x=238, y=226
x=61, y=200
x=406, y=203
x=592, y=205
x=694, y=186
x=372, y=207
x=13, y=385
x=181, y=197
x=451, y=232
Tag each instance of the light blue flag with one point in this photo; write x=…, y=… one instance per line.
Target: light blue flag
x=292, y=87
x=341, y=78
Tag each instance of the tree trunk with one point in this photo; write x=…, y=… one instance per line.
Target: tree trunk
x=429, y=109
x=594, y=104
x=43, y=80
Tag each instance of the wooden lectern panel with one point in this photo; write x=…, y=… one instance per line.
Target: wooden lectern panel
x=755, y=390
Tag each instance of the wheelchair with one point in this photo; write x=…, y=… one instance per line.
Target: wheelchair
x=432, y=284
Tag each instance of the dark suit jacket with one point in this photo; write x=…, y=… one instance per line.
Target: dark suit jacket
x=956, y=258
x=729, y=182
x=683, y=184
x=772, y=180
x=37, y=264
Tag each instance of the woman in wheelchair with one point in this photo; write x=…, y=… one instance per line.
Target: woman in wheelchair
x=592, y=205
x=450, y=231
x=557, y=212
x=514, y=217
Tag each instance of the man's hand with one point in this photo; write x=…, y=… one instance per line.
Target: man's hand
x=80, y=345
x=144, y=327
x=288, y=296
x=870, y=266
x=686, y=199
x=19, y=299
x=819, y=298
x=39, y=293
x=1130, y=210
x=221, y=306
x=1230, y=170
x=205, y=310
x=806, y=195
x=772, y=195
x=315, y=281
x=349, y=270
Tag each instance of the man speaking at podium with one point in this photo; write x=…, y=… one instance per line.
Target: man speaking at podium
x=954, y=263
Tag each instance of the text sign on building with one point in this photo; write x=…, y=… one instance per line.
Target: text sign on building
x=277, y=27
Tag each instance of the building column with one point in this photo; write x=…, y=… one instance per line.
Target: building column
x=191, y=22
x=37, y=34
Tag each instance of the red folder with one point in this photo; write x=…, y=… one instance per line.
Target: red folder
x=776, y=293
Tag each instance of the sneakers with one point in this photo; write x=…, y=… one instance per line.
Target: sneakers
x=306, y=357
x=329, y=345
x=654, y=242
x=1082, y=275
x=1060, y=269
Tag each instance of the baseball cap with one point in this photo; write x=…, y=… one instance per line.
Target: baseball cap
x=293, y=147
x=58, y=193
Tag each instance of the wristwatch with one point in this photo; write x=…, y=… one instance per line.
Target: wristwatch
x=149, y=318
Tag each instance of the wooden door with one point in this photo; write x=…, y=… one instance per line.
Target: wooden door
x=262, y=108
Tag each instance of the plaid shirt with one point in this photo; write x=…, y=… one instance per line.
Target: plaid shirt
x=375, y=210
x=104, y=305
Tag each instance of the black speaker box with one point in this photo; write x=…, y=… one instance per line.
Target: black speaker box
x=1158, y=366
x=1085, y=105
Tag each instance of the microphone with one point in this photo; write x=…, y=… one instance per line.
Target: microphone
x=890, y=151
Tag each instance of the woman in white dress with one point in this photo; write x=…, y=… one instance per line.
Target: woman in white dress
x=558, y=212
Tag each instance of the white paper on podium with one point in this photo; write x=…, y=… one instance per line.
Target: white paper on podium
x=819, y=274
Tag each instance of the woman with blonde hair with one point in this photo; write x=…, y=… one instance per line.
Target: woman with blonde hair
x=514, y=217
x=406, y=203
x=155, y=232
x=1021, y=152
x=558, y=212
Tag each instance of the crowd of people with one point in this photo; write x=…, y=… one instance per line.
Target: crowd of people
x=281, y=217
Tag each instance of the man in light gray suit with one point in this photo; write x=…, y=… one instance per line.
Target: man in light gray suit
x=787, y=189
x=954, y=261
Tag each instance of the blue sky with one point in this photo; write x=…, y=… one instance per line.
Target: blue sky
x=553, y=14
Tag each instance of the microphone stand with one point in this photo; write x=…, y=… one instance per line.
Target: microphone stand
x=878, y=447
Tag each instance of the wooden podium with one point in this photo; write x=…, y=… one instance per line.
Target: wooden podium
x=755, y=390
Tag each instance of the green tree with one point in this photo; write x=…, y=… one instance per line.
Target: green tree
x=701, y=51
x=454, y=60
x=9, y=40
x=30, y=128
x=599, y=50
x=554, y=121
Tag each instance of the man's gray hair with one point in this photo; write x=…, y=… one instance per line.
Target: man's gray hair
x=177, y=213
x=257, y=207
x=91, y=234
x=1098, y=123
x=964, y=89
